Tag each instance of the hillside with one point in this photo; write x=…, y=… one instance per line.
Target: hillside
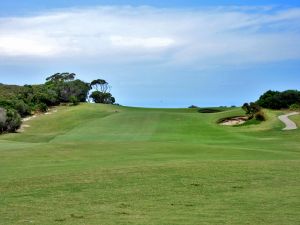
x=9, y=91
x=105, y=164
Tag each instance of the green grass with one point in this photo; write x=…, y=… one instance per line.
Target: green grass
x=96, y=164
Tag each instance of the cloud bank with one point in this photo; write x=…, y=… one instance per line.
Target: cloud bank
x=208, y=37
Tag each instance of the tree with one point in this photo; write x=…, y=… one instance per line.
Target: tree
x=80, y=90
x=104, y=98
x=61, y=77
x=37, y=94
x=77, y=88
x=289, y=98
x=101, y=95
x=279, y=100
x=251, y=109
x=100, y=85
x=65, y=85
x=17, y=101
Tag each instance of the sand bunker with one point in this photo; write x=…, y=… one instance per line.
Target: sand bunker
x=234, y=121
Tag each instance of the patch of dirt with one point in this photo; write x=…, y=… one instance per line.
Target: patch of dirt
x=234, y=121
x=28, y=118
x=24, y=126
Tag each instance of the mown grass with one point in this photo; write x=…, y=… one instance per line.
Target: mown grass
x=96, y=164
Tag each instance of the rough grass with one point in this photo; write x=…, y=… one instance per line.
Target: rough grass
x=96, y=164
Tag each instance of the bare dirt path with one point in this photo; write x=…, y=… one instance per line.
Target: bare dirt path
x=24, y=126
x=290, y=125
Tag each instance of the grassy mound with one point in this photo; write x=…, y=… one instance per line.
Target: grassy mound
x=103, y=164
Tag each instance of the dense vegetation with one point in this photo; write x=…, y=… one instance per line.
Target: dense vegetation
x=289, y=99
x=280, y=100
x=254, y=111
x=60, y=88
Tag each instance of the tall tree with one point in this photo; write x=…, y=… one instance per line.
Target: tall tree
x=61, y=77
x=101, y=85
x=102, y=93
x=67, y=88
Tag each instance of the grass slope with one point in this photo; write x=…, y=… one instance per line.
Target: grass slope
x=96, y=164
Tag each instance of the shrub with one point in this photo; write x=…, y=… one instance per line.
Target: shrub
x=41, y=107
x=22, y=108
x=2, y=119
x=295, y=106
x=251, y=109
x=260, y=116
x=74, y=100
x=13, y=121
x=6, y=104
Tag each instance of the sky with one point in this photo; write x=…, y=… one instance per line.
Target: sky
x=156, y=53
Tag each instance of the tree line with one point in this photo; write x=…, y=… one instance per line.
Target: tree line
x=61, y=88
x=280, y=100
x=289, y=99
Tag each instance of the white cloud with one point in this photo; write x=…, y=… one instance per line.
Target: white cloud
x=204, y=37
x=18, y=46
x=138, y=42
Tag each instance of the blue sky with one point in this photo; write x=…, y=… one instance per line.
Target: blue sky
x=156, y=53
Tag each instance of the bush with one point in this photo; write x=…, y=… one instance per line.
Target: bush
x=13, y=121
x=251, y=109
x=41, y=107
x=260, y=116
x=74, y=100
x=2, y=119
x=295, y=106
x=22, y=108
x=6, y=104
